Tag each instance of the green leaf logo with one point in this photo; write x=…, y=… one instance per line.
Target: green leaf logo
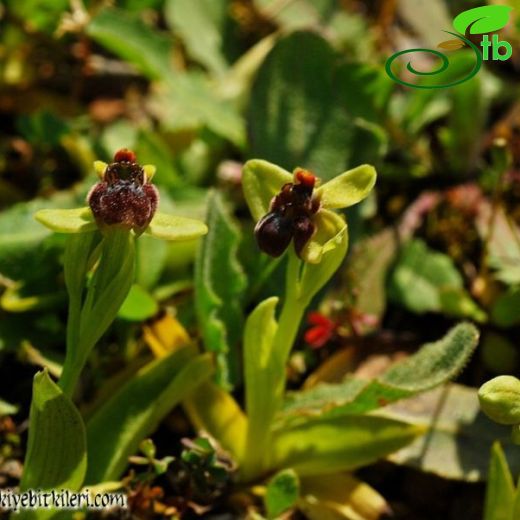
x=482, y=20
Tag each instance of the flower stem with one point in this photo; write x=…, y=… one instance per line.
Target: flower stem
x=91, y=315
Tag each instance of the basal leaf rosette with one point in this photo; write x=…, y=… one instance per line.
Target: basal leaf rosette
x=124, y=198
x=295, y=207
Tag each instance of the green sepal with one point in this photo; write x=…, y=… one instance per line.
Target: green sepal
x=348, y=188
x=261, y=181
x=77, y=220
x=171, y=227
x=331, y=232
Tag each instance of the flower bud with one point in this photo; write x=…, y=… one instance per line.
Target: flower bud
x=500, y=399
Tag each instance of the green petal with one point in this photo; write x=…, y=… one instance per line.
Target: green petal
x=331, y=232
x=170, y=227
x=78, y=220
x=348, y=188
x=261, y=181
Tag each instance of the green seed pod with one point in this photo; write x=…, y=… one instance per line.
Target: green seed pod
x=500, y=399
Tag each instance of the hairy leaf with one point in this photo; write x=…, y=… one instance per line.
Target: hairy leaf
x=220, y=284
x=434, y=364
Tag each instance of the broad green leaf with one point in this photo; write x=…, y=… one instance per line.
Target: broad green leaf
x=201, y=25
x=282, y=493
x=78, y=220
x=427, y=281
x=189, y=101
x=434, y=364
x=38, y=16
x=480, y=20
x=459, y=435
x=295, y=117
x=134, y=412
x=261, y=181
x=7, y=408
x=56, y=453
x=348, y=188
x=139, y=305
x=216, y=412
x=170, y=227
x=500, y=493
x=263, y=373
x=298, y=13
x=151, y=260
x=151, y=148
x=340, y=496
x=339, y=443
x=505, y=311
x=220, y=283
x=127, y=36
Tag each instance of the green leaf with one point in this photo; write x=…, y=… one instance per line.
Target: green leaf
x=480, y=20
x=56, y=454
x=340, y=496
x=296, y=14
x=135, y=410
x=151, y=148
x=504, y=312
x=78, y=220
x=213, y=410
x=348, y=188
x=127, y=36
x=38, y=16
x=459, y=435
x=7, y=408
x=201, y=26
x=139, y=305
x=294, y=118
x=500, y=493
x=190, y=101
x=427, y=281
x=434, y=364
x=338, y=443
x=261, y=181
x=282, y=493
x=220, y=283
x=170, y=227
x=262, y=368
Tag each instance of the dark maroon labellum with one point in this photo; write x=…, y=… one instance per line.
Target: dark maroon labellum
x=290, y=217
x=124, y=197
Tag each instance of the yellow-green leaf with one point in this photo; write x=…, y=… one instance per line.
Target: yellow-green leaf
x=339, y=443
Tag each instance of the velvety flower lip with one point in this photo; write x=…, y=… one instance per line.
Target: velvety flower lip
x=263, y=182
x=123, y=198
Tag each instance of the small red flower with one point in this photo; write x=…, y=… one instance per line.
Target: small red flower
x=322, y=331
